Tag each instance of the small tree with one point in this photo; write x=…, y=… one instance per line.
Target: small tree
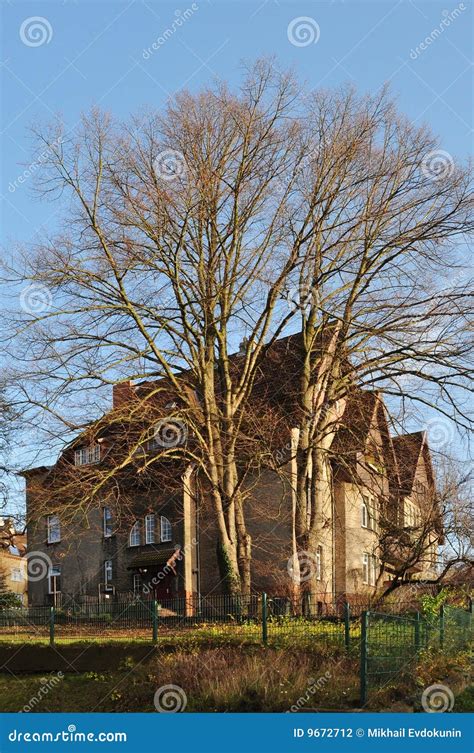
x=7, y=597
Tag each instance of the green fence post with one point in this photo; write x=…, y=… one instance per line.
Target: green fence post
x=347, y=625
x=363, y=657
x=51, y=626
x=417, y=632
x=154, y=617
x=441, y=625
x=264, y=619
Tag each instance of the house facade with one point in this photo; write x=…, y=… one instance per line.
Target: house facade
x=378, y=491
x=13, y=564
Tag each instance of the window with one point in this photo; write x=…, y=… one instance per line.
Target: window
x=54, y=579
x=369, y=569
x=365, y=568
x=411, y=515
x=107, y=522
x=364, y=512
x=135, y=538
x=87, y=455
x=373, y=575
x=150, y=529
x=165, y=529
x=107, y=572
x=137, y=583
x=319, y=563
x=54, y=529
x=16, y=575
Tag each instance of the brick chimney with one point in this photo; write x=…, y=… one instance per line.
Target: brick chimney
x=122, y=393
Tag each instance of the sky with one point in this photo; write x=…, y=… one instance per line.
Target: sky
x=65, y=56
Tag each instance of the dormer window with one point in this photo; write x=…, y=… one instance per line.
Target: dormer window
x=87, y=455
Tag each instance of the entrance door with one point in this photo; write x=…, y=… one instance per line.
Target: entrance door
x=164, y=587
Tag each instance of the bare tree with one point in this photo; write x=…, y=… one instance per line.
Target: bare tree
x=240, y=214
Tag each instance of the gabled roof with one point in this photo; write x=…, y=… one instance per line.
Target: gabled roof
x=356, y=422
x=408, y=448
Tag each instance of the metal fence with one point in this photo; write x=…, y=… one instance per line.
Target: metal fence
x=389, y=644
x=256, y=619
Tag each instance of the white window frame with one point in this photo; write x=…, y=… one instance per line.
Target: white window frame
x=137, y=583
x=135, y=536
x=108, y=572
x=369, y=569
x=373, y=569
x=53, y=529
x=365, y=568
x=87, y=455
x=364, y=514
x=150, y=528
x=319, y=563
x=166, y=529
x=54, y=571
x=16, y=576
x=107, y=522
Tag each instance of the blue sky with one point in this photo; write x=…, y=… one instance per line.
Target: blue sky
x=93, y=53
x=67, y=55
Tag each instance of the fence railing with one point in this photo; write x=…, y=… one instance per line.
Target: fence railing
x=258, y=618
x=390, y=643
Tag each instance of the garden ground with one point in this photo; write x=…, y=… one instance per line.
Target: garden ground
x=221, y=679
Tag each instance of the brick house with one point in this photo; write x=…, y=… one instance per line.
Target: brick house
x=165, y=544
x=12, y=559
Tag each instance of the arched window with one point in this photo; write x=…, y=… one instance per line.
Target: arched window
x=165, y=529
x=135, y=537
x=149, y=529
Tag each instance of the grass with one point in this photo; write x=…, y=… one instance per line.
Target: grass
x=280, y=632
x=229, y=678
x=214, y=680
x=240, y=679
x=464, y=702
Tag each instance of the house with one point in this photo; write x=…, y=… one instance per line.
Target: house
x=13, y=564
x=154, y=534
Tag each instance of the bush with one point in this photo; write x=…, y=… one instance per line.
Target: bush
x=8, y=599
